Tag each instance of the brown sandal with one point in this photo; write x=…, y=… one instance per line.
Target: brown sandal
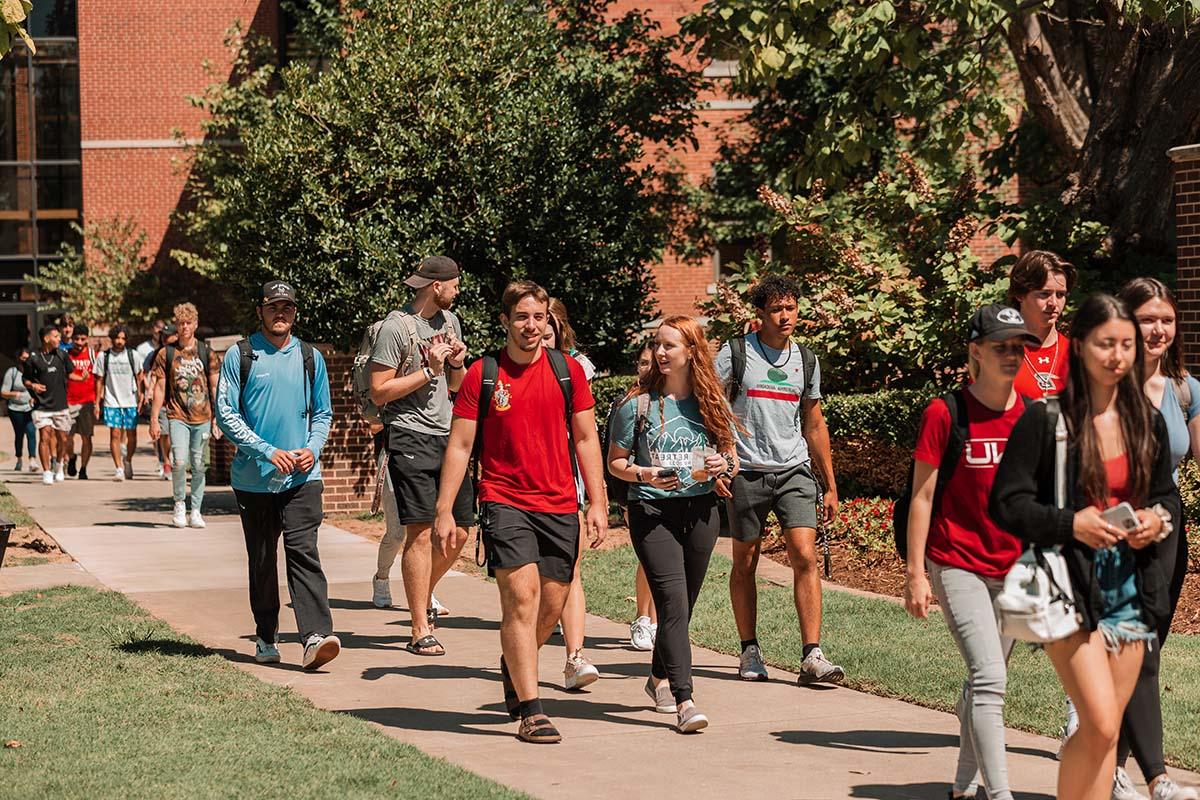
x=538, y=729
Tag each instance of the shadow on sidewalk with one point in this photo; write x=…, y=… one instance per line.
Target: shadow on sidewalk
x=215, y=504
x=424, y=719
x=910, y=743
x=923, y=791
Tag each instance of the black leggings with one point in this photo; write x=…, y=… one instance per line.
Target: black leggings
x=1142, y=726
x=674, y=539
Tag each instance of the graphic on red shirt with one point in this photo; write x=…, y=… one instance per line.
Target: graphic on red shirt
x=961, y=534
x=1044, y=369
x=525, y=462
x=80, y=392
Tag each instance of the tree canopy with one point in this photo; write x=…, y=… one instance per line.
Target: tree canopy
x=514, y=137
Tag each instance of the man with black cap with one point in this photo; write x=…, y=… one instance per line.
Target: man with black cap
x=415, y=365
x=274, y=406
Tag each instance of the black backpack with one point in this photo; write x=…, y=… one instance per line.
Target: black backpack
x=618, y=490
x=248, y=357
x=956, y=441
x=737, y=352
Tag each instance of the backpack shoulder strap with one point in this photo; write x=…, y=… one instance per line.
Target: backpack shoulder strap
x=247, y=358
x=809, y=359
x=558, y=363
x=641, y=417
x=956, y=440
x=310, y=373
x=1183, y=394
x=737, y=363
x=408, y=324
x=490, y=372
x=169, y=360
x=107, y=353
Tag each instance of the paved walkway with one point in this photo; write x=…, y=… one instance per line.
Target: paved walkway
x=772, y=739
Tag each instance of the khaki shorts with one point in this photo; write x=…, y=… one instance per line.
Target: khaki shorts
x=83, y=418
x=58, y=420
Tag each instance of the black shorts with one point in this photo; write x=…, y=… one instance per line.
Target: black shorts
x=415, y=466
x=513, y=538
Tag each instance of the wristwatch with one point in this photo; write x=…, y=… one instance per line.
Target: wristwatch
x=638, y=473
x=429, y=376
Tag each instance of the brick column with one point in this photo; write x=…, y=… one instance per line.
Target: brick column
x=1187, y=241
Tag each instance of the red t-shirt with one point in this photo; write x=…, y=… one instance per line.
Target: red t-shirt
x=525, y=461
x=961, y=534
x=1044, y=369
x=82, y=392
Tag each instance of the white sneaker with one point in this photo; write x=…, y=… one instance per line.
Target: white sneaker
x=179, y=518
x=381, y=592
x=265, y=653
x=59, y=477
x=119, y=475
x=640, y=635
x=819, y=669
x=196, y=521
x=752, y=667
x=48, y=478
x=579, y=672
x=1122, y=788
x=320, y=650
x=1167, y=789
x=161, y=473
x=34, y=466
x=441, y=610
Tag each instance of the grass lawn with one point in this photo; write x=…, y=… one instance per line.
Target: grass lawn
x=887, y=652
x=106, y=701
x=11, y=508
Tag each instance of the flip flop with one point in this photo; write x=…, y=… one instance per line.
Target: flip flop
x=425, y=647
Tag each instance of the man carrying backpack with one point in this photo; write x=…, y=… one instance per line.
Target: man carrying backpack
x=528, y=412
x=274, y=406
x=118, y=393
x=775, y=390
x=185, y=380
x=415, y=363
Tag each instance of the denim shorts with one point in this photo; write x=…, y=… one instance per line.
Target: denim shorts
x=1121, y=621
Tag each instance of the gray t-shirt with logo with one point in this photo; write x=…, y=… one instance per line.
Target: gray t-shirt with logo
x=770, y=405
x=428, y=409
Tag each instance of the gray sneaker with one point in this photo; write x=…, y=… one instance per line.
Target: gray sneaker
x=265, y=652
x=691, y=721
x=1167, y=789
x=381, y=592
x=819, y=669
x=752, y=667
x=664, y=701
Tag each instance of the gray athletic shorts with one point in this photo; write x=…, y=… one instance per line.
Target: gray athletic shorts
x=792, y=495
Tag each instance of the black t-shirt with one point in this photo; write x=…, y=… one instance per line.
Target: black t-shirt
x=50, y=371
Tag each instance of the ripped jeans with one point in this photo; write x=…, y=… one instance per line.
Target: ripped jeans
x=187, y=452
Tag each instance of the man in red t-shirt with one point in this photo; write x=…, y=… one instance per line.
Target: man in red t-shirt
x=81, y=400
x=1038, y=286
x=528, y=506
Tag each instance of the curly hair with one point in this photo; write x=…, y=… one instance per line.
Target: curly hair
x=714, y=410
x=771, y=288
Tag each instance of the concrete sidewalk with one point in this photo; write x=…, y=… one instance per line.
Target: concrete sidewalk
x=770, y=739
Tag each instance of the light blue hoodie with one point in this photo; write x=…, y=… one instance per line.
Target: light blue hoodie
x=275, y=414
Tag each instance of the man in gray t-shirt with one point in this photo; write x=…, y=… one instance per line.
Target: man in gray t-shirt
x=417, y=362
x=777, y=397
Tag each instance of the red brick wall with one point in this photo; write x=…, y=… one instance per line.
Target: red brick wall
x=346, y=463
x=1187, y=232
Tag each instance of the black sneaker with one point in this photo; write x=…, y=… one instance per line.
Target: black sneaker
x=83, y=474
x=71, y=466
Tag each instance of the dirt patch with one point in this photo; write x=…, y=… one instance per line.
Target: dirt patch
x=29, y=545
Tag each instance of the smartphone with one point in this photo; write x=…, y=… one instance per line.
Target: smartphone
x=666, y=473
x=1122, y=516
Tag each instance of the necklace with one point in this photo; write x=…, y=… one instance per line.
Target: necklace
x=1045, y=380
x=775, y=373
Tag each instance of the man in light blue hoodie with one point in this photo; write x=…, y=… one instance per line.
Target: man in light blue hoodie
x=274, y=406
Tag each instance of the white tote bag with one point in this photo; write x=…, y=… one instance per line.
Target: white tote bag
x=1036, y=604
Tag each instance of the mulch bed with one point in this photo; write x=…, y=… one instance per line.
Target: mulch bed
x=32, y=544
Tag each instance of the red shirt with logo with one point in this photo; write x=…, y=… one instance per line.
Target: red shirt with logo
x=525, y=461
x=84, y=363
x=1044, y=369
x=961, y=534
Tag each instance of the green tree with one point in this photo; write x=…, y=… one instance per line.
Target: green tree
x=104, y=283
x=516, y=138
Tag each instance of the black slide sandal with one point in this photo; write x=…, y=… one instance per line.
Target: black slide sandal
x=425, y=647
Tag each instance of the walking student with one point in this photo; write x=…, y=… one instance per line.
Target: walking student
x=1038, y=285
x=393, y=532
x=1118, y=451
x=118, y=393
x=1176, y=395
x=774, y=386
x=528, y=504
x=185, y=383
x=20, y=412
x=417, y=362
x=274, y=406
x=578, y=671
x=167, y=335
x=46, y=379
x=644, y=628
x=81, y=400
x=966, y=554
x=672, y=458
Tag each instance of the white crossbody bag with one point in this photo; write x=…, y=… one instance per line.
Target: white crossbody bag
x=1036, y=604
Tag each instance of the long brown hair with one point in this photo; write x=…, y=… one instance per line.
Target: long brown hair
x=714, y=410
x=564, y=334
x=1139, y=291
x=1133, y=409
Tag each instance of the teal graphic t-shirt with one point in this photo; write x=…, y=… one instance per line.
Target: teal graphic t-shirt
x=671, y=432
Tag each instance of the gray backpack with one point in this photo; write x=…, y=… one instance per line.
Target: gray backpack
x=362, y=362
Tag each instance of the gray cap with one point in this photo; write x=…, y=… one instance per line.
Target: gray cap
x=433, y=268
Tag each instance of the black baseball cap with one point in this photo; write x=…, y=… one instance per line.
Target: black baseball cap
x=274, y=291
x=433, y=268
x=169, y=329
x=998, y=322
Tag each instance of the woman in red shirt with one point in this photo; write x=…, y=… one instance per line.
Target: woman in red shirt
x=966, y=554
x=1037, y=287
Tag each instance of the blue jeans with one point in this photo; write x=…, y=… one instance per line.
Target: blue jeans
x=187, y=450
x=24, y=431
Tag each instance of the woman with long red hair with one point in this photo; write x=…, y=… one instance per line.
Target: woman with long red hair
x=675, y=445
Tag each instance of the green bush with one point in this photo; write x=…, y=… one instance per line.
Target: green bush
x=891, y=416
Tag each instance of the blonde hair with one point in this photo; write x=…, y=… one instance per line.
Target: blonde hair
x=186, y=312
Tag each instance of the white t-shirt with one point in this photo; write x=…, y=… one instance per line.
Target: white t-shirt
x=120, y=382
